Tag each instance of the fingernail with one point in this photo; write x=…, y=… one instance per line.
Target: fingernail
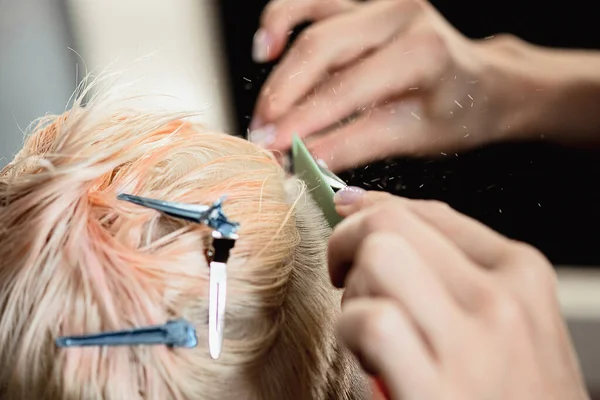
x=263, y=137
x=261, y=46
x=348, y=195
x=255, y=123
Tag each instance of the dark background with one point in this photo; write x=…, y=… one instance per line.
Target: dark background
x=538, y=193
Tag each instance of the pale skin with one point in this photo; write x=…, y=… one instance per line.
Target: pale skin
x=436, y=305
x=441, y=307
x=412, y=84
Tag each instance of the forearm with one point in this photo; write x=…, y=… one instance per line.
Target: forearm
x=545, y=93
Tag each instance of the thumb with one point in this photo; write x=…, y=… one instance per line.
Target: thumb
x=352, y=199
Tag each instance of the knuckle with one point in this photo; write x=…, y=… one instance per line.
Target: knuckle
x=270, y=106
x=366, y=248
x=404, y=7
x=439, y=205
x=482, y=296
x=506, y=42
x=505, y=311
x=273, y=11
x=380, y=216
x=373, y=221
x=504, y=39
x=486, y=298
x=370, y=254
x=533, y=269
x=372, y=241
x=435, y=43
x=434, y=49
x=372, y=198
x=379, y=325
x=526, y=253
x=435, y=206
x=310, y=39
x=396, y=6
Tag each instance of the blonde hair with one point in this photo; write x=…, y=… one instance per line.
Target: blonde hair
x=74, y=260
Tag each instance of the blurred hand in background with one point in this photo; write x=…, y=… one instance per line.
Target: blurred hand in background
x=387, y=78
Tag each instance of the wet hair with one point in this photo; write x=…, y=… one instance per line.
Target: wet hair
x=75, y=260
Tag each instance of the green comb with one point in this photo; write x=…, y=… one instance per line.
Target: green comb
x=317, y=182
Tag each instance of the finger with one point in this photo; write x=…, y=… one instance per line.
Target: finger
x=388, y=345
x=327, y=46
x=365, y=200
x=379, y=133
x=347, y=198
x=387, y=265
x=467, y=284
x=481, y=244
x=281, y=16
x=416, y=62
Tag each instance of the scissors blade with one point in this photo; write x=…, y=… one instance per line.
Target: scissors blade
x=332, y=179
x=216, y=307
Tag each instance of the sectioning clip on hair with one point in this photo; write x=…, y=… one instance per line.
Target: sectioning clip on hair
x=178, y=333
x=224, y=236
x=211, y=216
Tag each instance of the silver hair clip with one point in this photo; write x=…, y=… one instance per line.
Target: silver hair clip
x=211, y=216
x=178, y=333
x=224, y=236
x=218, y=255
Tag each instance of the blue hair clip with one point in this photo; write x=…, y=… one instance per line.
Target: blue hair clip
x=211, y=216
x=178, y=333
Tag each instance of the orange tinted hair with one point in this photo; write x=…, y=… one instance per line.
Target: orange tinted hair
x=74, y=260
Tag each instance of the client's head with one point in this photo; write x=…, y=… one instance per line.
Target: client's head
x=75, y=260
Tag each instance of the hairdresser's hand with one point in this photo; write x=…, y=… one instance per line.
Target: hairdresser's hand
x=412, y=83
x=441, y=307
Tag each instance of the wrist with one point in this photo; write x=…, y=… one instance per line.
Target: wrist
x=542, y=93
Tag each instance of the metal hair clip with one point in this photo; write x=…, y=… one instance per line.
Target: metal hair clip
x=178, y=333
x=224, y=236
x=218, y=255
x=211, y=216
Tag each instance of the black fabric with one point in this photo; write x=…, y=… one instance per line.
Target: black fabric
x=537, y=193
x=561, y=24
